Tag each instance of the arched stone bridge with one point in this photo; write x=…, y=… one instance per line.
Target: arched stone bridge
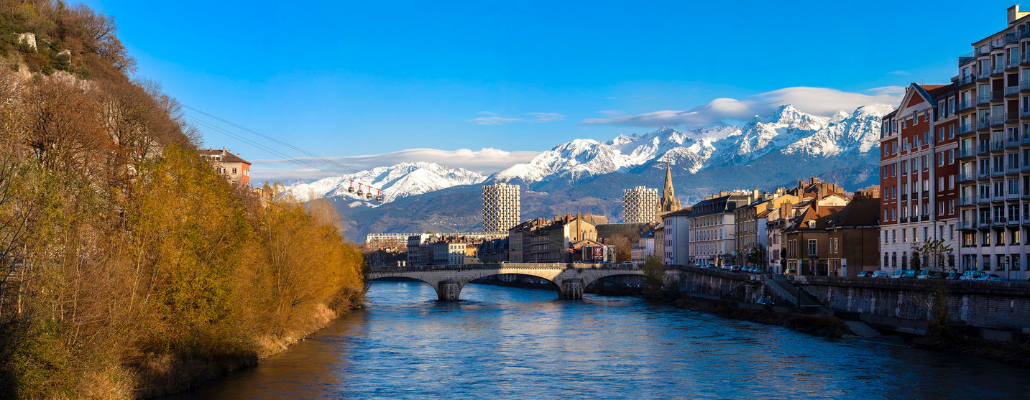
x=448, y=280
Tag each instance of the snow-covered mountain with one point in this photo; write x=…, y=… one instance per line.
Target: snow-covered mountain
x=787, y=131
x=397, y=181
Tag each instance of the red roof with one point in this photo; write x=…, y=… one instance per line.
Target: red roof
x=225, y=155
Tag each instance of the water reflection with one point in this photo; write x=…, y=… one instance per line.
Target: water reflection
x=514, y=343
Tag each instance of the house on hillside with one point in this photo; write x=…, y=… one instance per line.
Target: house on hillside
x=234, y=168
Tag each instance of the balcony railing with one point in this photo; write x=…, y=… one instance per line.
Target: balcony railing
x=1012, y=196
x=965, y=225
x=967, y=201
x=998, y=173
x=1024, y=85
x=983, y=75
x=997, y=145
x=984, y=224
x=903, y=220
x=983, y=124
x=983, y=200
x=1011, y=170
x=1024, y=113
x=995, y=121
x=1012, y=142
x=999, y=69
x=981, y=150
x=904, y=197
x=983, y=99
x=926, y=194
x=1025, y=168
x=966, y=80
x=999, y=222
x=1012, y=91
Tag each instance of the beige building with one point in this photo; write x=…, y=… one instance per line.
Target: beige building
x=542, y=240
x=501, y=207
x=640, y=204
x=235, y=169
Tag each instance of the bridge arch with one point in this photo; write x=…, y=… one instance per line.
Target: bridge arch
x=448, y=280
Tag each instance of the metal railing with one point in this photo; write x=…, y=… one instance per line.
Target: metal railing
x=1012, y=90
x=983, y=99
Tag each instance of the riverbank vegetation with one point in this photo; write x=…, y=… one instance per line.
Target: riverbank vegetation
x=128, y=266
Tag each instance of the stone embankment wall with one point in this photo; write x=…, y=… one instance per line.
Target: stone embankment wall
x=993, y=305
x=719, y=284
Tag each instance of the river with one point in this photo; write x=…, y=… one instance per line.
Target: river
x=521, y=343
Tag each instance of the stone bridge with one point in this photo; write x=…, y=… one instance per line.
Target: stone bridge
x=448, y=280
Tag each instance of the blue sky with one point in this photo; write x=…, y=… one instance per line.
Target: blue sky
x=343, y=79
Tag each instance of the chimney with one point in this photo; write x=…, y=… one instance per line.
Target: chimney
x=1014, y=14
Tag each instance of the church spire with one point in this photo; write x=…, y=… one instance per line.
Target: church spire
x=668, y=193
x=669, y=201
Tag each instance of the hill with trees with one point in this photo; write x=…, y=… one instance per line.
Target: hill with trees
x=129, y=267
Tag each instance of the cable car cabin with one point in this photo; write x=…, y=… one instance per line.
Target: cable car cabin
x=350, y=189
x=379, y=198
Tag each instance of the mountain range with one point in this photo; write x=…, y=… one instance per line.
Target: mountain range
x=588, y=176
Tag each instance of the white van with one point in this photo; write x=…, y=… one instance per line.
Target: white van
x=881, y=274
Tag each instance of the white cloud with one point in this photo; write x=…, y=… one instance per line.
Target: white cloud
x=485, y=161
x=494, y=119
x=610, y=112
x=819, y=101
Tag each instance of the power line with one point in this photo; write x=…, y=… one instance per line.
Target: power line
x=274, y=152
x=245, y=129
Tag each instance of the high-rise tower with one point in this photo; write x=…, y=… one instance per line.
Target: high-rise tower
x=640, y=204
x=501, y=207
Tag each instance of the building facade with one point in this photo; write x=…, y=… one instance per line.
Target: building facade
x=643, y=247
x=675, y=237
x=640, y=204
x=920, y=182
x=548, y=241
x=712, y=231
x=993, y=87
x=234, y=168
x=501, y=207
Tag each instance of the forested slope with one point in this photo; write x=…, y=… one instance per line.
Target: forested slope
x=128, y=267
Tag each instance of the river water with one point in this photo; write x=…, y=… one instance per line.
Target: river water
x=521, y=343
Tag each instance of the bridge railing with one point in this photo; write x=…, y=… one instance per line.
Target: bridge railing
x=449, y=267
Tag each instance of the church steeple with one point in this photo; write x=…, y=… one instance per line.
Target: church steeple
x=669, y=201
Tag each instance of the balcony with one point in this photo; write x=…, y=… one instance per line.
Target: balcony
x=1026, y=57
x=1014, y=221
x=1024, y=86
x=904, y=197
x=982, y=150
x=925, y=217
x=997, y=145
x=999, y=222
x=915, y=218
x=1012, y=197
x=1011, y=118
x=998, y=70
x=966, y=225
x=983, y=99
x=966, y=201
x=998, y=121
x=1012, y=171
x=1024, y=113
x=1012, y=143
x=965, y=81
x=984, y=224
x=1026, y=196
x=966, y=153
x=998, y=198
x=1012, y=64
x=1025, y=168
x=983, y=200
x=1012, y=91
x=983, y=77
x=903, y=220
x=967, y=105
x=926, y=194
x=966, y=177
x=998, y=173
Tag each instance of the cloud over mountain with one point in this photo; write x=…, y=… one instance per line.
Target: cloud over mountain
x=721, y=111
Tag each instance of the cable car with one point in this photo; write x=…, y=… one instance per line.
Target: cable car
x=351, y=188
x=369, y=195
x=360, y=193
x=379, y=197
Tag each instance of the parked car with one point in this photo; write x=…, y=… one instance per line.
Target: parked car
x=971, y=275
x=627, y=263
x=989, y=277
x=952, y=275
x=734, y=268
x=909, y=274
x=765, y=301
x=790, y=271
x=865, y=274
x=725, y=267
x=929, y=275
x=897, y=274
x=881, y=274
x=746, y=269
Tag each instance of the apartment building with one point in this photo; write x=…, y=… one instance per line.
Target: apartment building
x=675, y=233
x=920, y=181
x=643, y=247
x=640, y=204
x=712, y=232
x=501, y=207
x=993, y=86
x=550, y=241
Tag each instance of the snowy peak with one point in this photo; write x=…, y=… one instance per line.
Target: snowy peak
x=786, y=130
x=396, y=182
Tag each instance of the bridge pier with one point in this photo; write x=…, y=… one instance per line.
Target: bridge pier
x=572, y=289
x=448, y=290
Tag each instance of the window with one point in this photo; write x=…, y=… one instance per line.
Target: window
x=812, y=247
